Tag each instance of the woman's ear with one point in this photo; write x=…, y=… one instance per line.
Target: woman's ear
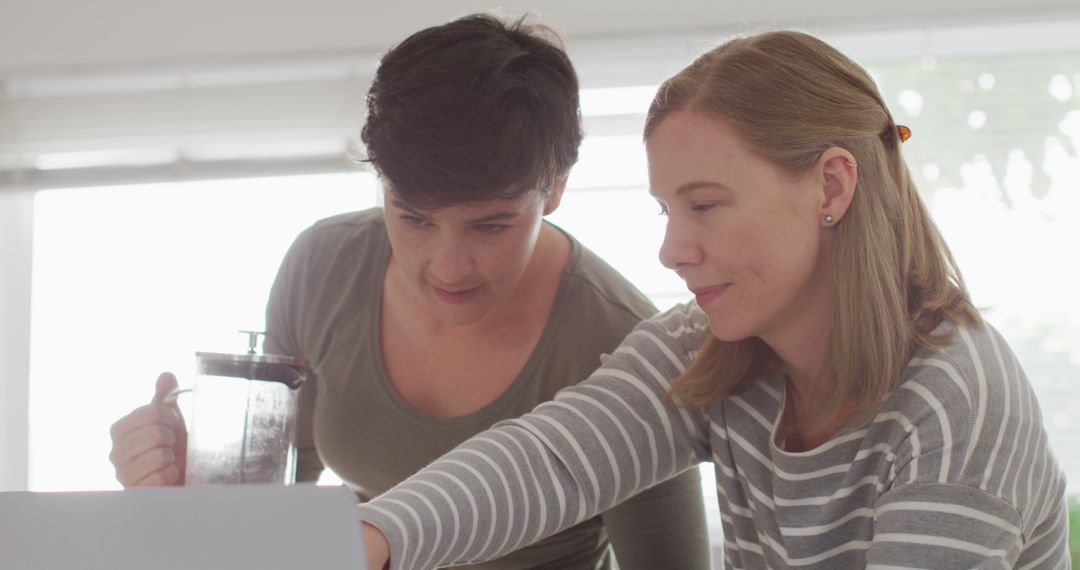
x=839, y=178
x=554, y=198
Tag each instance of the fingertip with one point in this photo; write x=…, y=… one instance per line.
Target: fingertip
x=166, y=382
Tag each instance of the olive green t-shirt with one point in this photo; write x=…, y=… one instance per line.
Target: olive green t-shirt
x=325, y=307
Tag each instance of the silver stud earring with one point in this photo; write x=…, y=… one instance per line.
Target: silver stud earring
x=828, y=219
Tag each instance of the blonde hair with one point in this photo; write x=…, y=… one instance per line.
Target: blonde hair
x=791, y=97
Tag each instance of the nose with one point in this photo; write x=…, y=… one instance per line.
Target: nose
x=678, y=250
x=451, y=261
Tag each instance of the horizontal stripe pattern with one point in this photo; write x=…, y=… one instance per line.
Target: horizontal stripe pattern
x=954, y=471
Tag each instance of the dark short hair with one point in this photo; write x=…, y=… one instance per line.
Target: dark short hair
x=473, y=110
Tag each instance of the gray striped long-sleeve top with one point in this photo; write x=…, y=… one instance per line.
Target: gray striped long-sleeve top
x=953, y=472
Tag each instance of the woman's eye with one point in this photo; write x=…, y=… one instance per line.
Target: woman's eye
x=663, y=210
x=490, y=229
x=702, y=206
x=413, y=221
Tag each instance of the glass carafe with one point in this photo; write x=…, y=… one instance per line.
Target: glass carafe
x=242, y=423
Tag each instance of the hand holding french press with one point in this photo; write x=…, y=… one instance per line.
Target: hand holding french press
x=149, y=445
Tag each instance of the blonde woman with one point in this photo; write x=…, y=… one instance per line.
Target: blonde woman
x=857, y=410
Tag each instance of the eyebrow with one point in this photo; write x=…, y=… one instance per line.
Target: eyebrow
x=697, y=185
x=496, y=217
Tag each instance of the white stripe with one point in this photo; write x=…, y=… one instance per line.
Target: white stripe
x=587, y=465
x=943, y=420
x=657, y=407
x=654, y=450
x=846, y=547
x=816, y=530
x=753, y=413
x=1058, y=547
x=438, y=526
x=944, y=542
x=677, y=362
x=841, y=468
x=1029, y=397
x=536, y=474
x=1016, y=440
x=821, y=449
x=913, y=436
x=952, y=509
x=691, y=431
x=487, y=491
x=982, y=397
x=632, y=447
x=950, y=371
x=553, y=479
x=472, y=503
x=1039, y=443
x=403, y=534
x=749, y=546
x=456, y=527
x=990, y=464
x=724, y=469
x=527, y=507
x=740, y=510
x=629, y=449
x=838, y=494
x=506, y=487
x=771, y=391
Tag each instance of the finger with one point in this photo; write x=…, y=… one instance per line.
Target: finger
x=138, y=441
x=166, y=383
x=143, y=416
x=167, y=476
x=141, y=470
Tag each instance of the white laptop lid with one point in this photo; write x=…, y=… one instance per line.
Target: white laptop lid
x=182, y=528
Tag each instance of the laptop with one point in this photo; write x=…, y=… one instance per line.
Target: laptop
x=224, y=527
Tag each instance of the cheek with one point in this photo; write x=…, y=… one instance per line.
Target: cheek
x=781, y=255
x=408, y=248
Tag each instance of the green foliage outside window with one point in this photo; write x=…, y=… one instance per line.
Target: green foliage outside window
x=1074, y=531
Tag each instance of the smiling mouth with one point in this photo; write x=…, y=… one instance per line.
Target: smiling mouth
x=704, y=295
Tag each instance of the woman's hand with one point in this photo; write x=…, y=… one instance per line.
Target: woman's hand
x=149, y=445
x=376, y=547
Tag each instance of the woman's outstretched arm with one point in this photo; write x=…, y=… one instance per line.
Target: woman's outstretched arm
x=590, y=448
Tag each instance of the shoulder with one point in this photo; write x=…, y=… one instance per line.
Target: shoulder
x=355, y=234
x=345, y=227
x=673, y=336
x=973, y=380
x=601, y=286
x=973, y=419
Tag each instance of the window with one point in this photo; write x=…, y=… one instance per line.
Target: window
x=129, y=281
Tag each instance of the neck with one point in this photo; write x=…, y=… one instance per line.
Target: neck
x=802, y=344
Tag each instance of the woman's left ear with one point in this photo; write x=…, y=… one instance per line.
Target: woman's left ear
x=840, y=176
x=554, y=198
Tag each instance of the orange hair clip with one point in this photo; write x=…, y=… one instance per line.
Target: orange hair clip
x=904, y=132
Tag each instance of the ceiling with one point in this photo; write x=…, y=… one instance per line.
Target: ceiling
x=77, y=35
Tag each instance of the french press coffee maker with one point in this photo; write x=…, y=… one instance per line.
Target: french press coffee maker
x=243, y=417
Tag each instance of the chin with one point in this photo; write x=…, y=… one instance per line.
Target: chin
x=728, y=331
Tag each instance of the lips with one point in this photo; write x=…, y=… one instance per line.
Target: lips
x=456, y=297
x=705, y=295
